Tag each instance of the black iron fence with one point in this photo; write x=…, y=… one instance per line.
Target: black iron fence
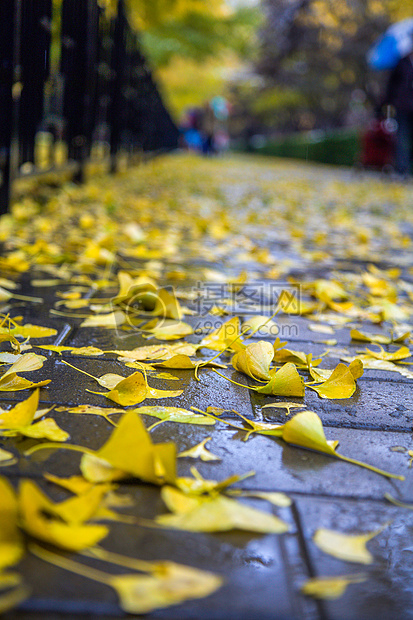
x=73, y=77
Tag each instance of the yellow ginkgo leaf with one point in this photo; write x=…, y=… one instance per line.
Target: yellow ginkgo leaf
x=254, y=360
x=340, y=384
x=223, y=337
x=285, y=382
x=306, y=431
x=170, y=330
x=21, y=414
x=401, y=354
x=130, y=449
x=40, y=519
x=200, y=452
x=30, y=331
x=45, y=429
x=166, y=584
x=129, y=391
x=283, y=405
x=96, y=470
x=112, y=320
x=356, y=334
x=330, y=588
x=167, y=305
x=199, y=485
x=183, y=362
x=11, y=541
x=7, y=458
x=26, y=363
x=348, y=547
x=75, y=484
x=277, y=499
x=14, y=383
x=157, y=352
x=216, y=514
x=175, y=414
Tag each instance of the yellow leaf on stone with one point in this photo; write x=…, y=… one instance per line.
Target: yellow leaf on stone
x=30, y=331
x=45, y=429
x=112, y=320
x=11, y=541
x=200, y=452
x=96, y=470
x=284, y=405
x=184, y=362
x=330, y=588
x=40, y=519
x=340, y=384
x=156, y=393
x=217, y=514
x=306, y=431
x=166, y=584
x=285, y=382
x=298, y=358
x=130, y=449
x=7, y=458
x=129, y=391
x=21, y=414
x=223, y=337
x=14, y=383
x=254, y=361
x=157, y=352
x=401, y=354
x=75, y=484
x=167, y=305
x=26, y=363
x=175, y=414
x=356, y=334
x=348, y=547
x=170, y=330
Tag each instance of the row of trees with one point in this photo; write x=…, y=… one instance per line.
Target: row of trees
x=285, y=64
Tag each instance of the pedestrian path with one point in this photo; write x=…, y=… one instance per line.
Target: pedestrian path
x=235, y=296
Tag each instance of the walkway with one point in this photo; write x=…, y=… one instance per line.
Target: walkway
x=233, y=237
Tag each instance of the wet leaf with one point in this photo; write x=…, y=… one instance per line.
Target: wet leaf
x=112, y=320
x=11, y=541
x=306, y=430
x=284, y=405
x=340, y=384
x=166, y=584
x=170, y=330
x=184, y=362
x=131, y=451
x=330, y=588
x=7, y=458
x=41, y=518
x=285, y=382
x=347, y=547
x=254, y=361
x=200, y=452
x=401, y=354
x=263, y=325
x=215, y=514
x=157, y=352
x=175, y=414
x=223, y=337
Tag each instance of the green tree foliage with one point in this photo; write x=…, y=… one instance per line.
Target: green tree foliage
x=312, y=60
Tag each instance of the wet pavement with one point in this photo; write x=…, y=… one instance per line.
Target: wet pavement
x=263, y=573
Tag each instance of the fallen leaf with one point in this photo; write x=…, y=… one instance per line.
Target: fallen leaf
x=226, y=336
x=11, y=541
x=330, y=588
x=340, y=384
x=285, y=382
x=200, y=452
x=41, y=518
x=254, y=361
x=348, y=547
x=175, y=414
x=215, y=514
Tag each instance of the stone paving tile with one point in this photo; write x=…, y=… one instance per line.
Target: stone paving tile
x=388, y=591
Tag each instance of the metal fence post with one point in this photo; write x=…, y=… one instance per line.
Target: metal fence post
x=117, y=71
x=9, y=35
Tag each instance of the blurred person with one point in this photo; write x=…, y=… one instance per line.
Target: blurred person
x=399, y=94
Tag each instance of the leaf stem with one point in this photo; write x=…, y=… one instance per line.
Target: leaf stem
x=53, y=445
x=118, y=559
x=367, y=466
x=70, y=565
x=79, y=370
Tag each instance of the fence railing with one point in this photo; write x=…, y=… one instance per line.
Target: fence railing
x=71, y=76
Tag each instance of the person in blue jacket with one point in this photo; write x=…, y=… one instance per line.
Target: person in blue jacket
x=399, y=94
